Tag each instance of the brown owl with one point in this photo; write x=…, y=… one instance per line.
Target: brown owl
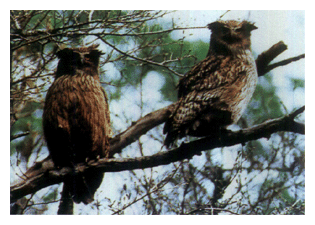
x=216, y=91
x=76, y=118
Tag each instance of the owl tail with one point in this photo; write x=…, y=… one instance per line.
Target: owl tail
x=83, y=187
x=169, y=140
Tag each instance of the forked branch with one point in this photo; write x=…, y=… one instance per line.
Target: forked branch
x=44, y=174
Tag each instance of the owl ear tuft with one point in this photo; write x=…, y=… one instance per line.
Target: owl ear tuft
x=250, y=26
x=63, y=52
x=94, y=49
x=94, y=46
x=214, y=25
x=97, y=52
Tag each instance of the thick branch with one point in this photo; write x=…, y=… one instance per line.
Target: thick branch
x=44, y=174
x=266, y=57
x=158, y=117
x=263, y=60
x=142, y=126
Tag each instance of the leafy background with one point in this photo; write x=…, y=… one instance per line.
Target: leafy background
x=139, y=74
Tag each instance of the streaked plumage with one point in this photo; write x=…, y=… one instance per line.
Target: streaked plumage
x=76, y=118
x=216, y=91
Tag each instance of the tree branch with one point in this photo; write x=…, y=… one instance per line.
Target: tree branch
x=263, y=60
x=12, y=137
x=139, y=59
x=142, y=126
x=266, y=57
x=284, y=62
x=44, y=174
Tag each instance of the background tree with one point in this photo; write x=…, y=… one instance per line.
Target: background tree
x=146, y=53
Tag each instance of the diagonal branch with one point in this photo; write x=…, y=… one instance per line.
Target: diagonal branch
x=12, y=137
x=44, y=174
x=142, y=126
x=264, y=59
x=284, y=62
x=140, y=59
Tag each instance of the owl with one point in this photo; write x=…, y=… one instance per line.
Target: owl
x=216, y=91
x=76, y=119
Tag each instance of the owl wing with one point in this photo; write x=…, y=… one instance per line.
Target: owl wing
x=202, y=93
x=76, y=120
x=108, y=129
x=207, y=74
x=90, y=126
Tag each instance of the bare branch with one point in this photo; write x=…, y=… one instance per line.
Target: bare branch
x=44, y=174
x=139, y=128
x=263, y=60
x=156, y=188
x=211, y=209
x=140, y=59
x=284, y=62
x=12, y=137
x=266, y=57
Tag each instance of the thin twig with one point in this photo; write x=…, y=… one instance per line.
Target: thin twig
x=139, y=59
x=44, y=174
x=284, y=62
x=156, y=188
x=12, y=137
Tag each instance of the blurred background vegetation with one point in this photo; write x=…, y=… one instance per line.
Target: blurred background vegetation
x=142, y=64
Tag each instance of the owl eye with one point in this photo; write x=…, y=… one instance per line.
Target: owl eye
x=90, y=56
x=75, y=56
x=239, y=30
x=225, y=29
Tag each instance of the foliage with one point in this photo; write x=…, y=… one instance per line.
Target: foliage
x=140, y=69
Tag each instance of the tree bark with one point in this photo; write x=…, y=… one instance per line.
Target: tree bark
x=44, y=174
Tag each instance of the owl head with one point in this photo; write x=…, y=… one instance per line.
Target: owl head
x=72, y=60
x=231, y=34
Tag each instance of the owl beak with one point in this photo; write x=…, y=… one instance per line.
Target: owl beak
x=82, y=58
x=233, y=33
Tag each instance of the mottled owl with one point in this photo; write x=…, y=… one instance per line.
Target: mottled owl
x=76, y=119
x=216, y=91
